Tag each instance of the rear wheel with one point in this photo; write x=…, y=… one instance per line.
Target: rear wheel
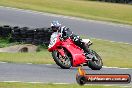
x=63, y=62
x=96, y=63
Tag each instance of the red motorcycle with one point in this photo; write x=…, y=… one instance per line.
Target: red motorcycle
x=66, y=53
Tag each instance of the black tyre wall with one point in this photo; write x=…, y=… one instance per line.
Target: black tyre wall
x=37, y=36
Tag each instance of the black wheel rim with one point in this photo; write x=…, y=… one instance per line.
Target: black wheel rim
x=97, y=59
x=63, y=60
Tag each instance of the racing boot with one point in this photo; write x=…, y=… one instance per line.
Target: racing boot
x=88, y=56
x=87, y=52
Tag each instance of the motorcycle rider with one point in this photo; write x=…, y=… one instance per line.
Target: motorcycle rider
x=66, y=33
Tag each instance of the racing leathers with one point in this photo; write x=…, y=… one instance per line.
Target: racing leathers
x=66, y=33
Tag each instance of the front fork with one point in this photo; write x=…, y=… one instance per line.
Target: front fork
x=61, y=51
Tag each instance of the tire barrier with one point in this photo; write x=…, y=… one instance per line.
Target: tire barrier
x=5, y=31
x=116, y=1
x=37, y=36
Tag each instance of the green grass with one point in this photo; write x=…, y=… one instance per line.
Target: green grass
x=31, y=85
x=42, y=57
x=113, y=54
x=121, y=13
x=5, y=42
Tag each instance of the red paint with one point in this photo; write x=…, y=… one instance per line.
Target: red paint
x=77, y=53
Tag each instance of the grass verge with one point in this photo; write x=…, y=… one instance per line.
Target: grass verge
x=5, y=42
x=40, y=57
x=31, y=85
x=120, y=13
x=113, y=54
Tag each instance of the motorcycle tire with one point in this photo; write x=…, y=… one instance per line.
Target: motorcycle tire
x=58, y=61
x=95, y=65
x=29, y=40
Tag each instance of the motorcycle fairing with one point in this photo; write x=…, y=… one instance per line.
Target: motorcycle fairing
x=61, y=51
x=78, y=56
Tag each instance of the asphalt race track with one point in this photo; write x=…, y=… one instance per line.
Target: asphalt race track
x=52, y=73
x=101, y=30
x=48, y=73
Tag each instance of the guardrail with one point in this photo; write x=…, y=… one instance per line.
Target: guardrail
x=35, y=36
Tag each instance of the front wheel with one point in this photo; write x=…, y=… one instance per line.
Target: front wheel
x=63, y=62
x=96, y=63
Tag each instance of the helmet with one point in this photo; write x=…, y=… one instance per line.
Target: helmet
x=55, y=25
